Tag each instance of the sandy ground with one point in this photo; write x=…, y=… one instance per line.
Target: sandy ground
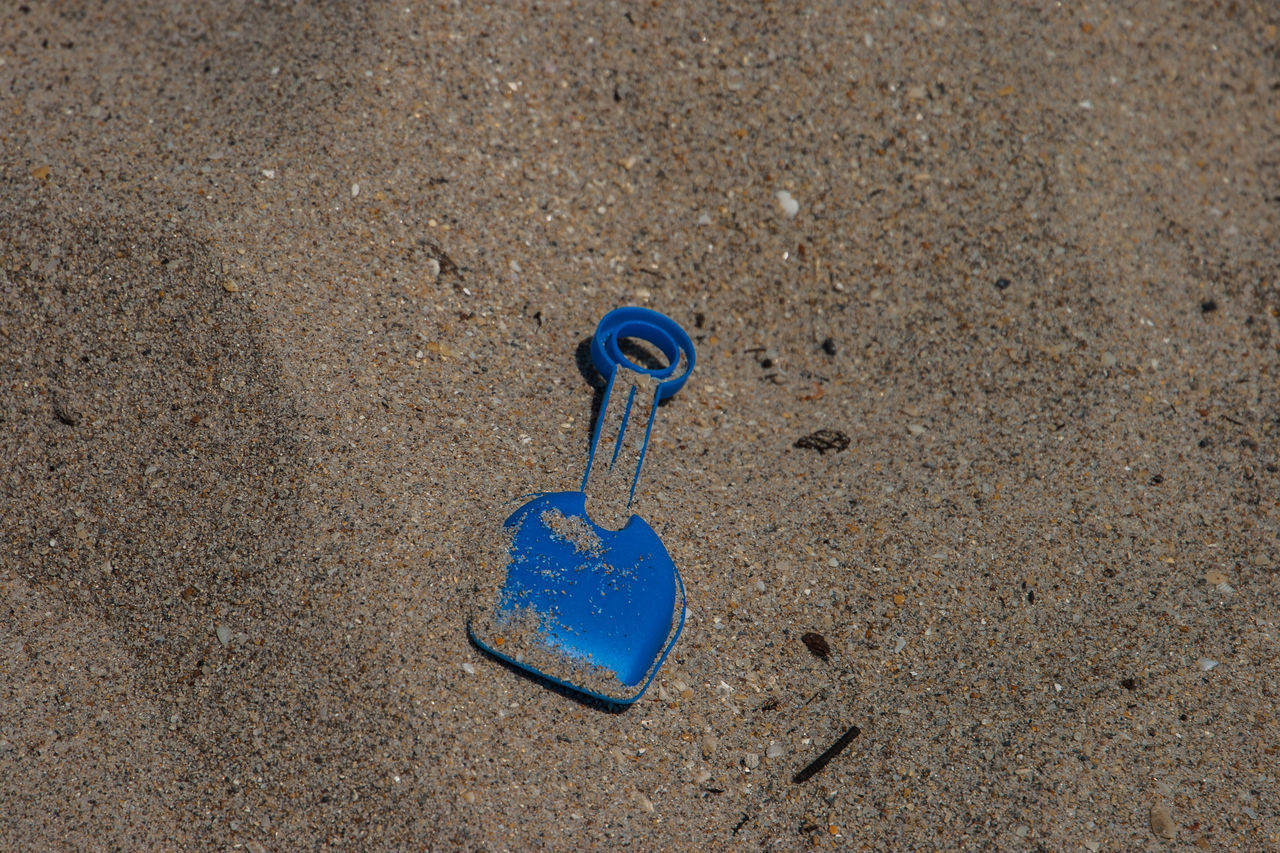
x=293, y=299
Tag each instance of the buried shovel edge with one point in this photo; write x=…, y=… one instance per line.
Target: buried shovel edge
x=624, y=700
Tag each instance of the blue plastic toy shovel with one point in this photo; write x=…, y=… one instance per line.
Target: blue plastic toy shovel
x=591, y=600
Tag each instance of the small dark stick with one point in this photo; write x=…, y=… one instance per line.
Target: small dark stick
x=823, y=760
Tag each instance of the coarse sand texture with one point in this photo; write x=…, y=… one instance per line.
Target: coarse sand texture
x=974, y=493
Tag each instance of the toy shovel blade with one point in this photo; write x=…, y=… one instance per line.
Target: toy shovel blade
x=590, y=599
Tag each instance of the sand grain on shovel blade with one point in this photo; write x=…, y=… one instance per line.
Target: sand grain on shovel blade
x=521, y=636
x=577, y=531
x=521, y=633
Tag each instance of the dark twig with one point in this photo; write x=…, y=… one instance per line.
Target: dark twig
x=823, y=760
x=816, y=694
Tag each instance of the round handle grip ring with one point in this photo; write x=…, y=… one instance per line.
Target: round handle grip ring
x=651, y=327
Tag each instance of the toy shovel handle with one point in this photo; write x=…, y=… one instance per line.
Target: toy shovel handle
x=630, y=405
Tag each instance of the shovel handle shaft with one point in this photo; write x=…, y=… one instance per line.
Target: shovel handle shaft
x=630, y=405
x=618, y=447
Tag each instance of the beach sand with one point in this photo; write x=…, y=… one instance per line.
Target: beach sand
x=294, y=300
